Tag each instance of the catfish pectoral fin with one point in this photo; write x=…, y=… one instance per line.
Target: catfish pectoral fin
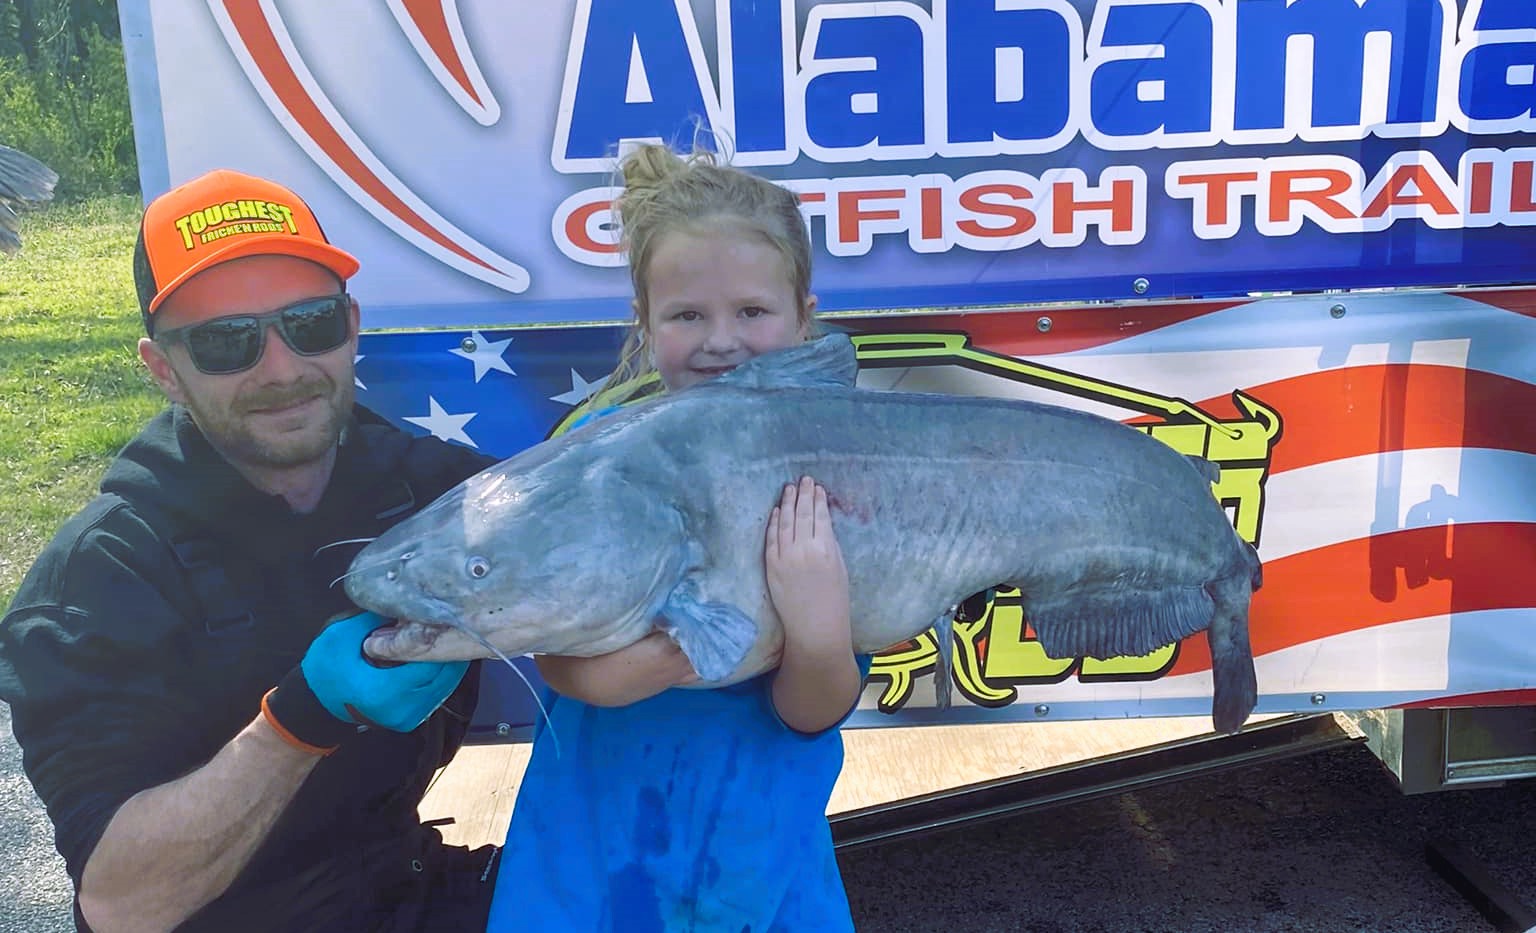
x=715, y=636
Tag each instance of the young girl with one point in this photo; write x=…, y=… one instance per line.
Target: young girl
x=698, y=809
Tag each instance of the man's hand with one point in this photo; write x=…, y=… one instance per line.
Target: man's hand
x=336, y=688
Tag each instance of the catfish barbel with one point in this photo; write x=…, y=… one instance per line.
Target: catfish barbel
x=653, y=517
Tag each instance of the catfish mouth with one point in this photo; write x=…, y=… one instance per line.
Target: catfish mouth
x=404, y=640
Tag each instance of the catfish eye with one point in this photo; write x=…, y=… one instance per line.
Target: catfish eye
x=477, y=567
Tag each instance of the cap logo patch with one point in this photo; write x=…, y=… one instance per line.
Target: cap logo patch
x=229, y=218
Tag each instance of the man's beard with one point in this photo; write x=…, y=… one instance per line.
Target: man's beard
x=230, y=430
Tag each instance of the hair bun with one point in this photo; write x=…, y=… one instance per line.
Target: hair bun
x=649, y=165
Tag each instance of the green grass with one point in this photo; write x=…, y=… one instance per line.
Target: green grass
x=72, y=389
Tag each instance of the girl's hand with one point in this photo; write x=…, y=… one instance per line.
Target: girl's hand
x=807, y=580
x=818, y=680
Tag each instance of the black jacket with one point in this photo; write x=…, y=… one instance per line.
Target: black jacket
x=144, y=636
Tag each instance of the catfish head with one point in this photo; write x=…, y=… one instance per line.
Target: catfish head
x=565, y=557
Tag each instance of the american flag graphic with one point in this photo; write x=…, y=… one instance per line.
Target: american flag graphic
x=1376, y=447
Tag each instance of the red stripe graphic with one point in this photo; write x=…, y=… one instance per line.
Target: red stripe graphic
x=1085, y=328
x=1014, y=333
x=1394, y=577
x=431, y=18
x=1360, y=410
x=250, y=21
x=1518, y=300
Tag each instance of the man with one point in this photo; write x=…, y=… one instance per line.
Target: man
x=208, y=762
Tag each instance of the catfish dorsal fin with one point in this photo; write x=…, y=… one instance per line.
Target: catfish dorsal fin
x=825, y=363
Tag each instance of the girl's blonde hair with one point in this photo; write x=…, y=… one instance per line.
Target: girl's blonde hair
x=665, y=193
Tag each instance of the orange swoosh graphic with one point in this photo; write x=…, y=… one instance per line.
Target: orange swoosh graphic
x=435, y=31
x=252, y=23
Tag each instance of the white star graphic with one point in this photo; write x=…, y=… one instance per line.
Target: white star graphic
x=445, y=426
x=486, y=355
x=581, y=390
x=355, y=360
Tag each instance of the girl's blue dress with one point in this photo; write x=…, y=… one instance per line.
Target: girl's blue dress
x=694, y=810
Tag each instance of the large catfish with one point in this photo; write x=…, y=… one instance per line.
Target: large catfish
x=653, y=517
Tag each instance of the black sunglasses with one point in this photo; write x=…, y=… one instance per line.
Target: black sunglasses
x=231, y=344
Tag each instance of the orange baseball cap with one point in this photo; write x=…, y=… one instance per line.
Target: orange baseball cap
x=217, y=217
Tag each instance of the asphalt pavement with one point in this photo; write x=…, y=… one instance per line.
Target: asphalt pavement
x=34, y=891
x=1316, y=844
x=1324, y=842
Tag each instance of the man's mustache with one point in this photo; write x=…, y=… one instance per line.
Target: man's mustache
x=270, y=397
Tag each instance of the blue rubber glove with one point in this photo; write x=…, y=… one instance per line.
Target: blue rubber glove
x=336, y=688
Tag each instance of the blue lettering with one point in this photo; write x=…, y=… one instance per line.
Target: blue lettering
x=1338, y=29
x=1484, y=89
x=884, y=105
x=977, y=32
x=1485, y=92
x=1505, y=14
x=1183, y=73
x=757, y=69
x=626, y=39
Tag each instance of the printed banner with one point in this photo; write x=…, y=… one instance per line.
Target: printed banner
x=1379, y=449
x=948, y=153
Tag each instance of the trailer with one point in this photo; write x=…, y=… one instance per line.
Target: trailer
x=1293, y=238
